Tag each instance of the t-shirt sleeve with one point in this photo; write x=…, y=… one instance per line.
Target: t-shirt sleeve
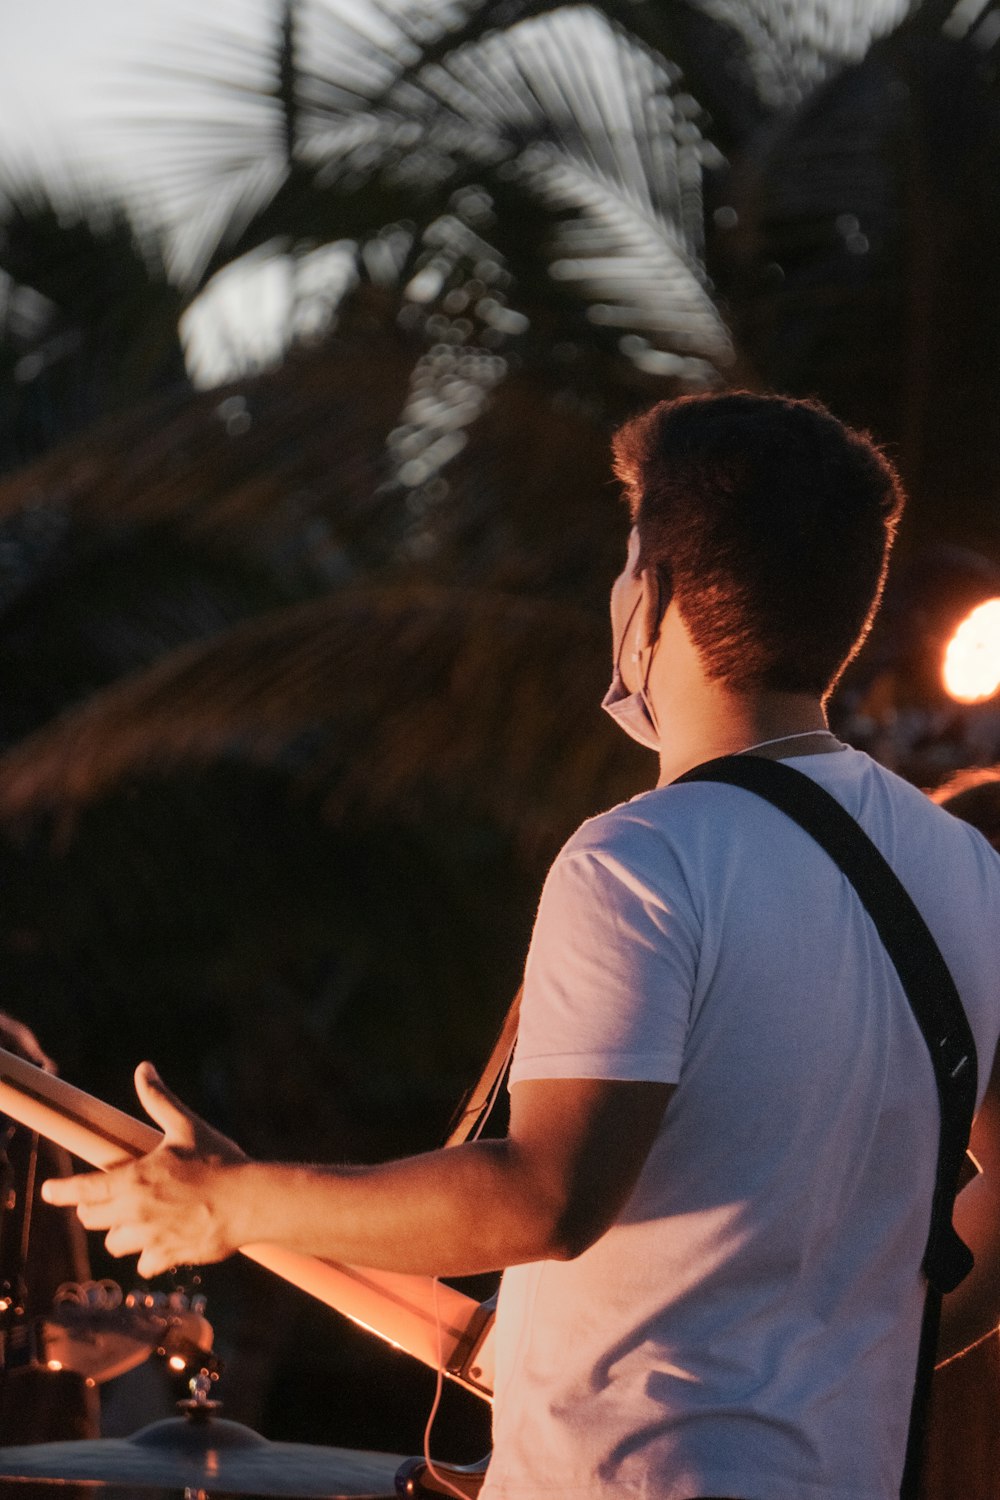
x=610, y=974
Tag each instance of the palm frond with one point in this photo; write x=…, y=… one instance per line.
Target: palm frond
x=526, y=504
x=790, y=48
x=387, y=700
x=858, y=262
x=375, y=447
x=88, y=316
x=742, y=61
x=956, y=19
x=82, y=605
x=266, y=108
x=285, y=468
x=608, y=149
x=565, y=110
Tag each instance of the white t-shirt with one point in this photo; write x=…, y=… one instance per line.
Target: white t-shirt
x=749, y=1324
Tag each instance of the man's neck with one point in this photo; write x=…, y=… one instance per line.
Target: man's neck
x=699, y=718
x=727, y=723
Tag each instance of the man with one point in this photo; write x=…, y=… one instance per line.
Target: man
x=716, y=1186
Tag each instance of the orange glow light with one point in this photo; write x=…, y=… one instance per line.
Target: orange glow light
x=971, y=671
x=177, y=1362
x=54, y=1364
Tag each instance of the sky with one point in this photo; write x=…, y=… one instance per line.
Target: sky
x=82, y=83
x=76, y=77
x=95, y=92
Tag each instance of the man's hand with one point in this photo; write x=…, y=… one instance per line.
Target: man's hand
x=170, y=1206
x=18, y=1038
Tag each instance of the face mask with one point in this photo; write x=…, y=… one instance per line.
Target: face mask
x=631, y=711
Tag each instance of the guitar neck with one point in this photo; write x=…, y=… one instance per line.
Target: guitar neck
x=433, y=1322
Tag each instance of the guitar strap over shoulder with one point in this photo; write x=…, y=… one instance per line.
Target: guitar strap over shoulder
x=936, y=1006
x=476, y=1106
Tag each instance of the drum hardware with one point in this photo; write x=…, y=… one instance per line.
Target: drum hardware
x=201, y=1452
x=18, y=1341
x=200, y=1406
x=18, y=1335
x=417, y=1479
x=97, y=1331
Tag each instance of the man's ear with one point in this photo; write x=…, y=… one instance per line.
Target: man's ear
x=653, y=605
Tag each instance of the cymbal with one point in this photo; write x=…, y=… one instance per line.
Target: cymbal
x=213, y=1455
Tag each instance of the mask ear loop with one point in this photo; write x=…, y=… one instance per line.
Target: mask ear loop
x=656, y=636
x=652, y=647
x=637, y=653
x=621, y=643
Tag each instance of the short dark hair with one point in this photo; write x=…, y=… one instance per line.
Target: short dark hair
x=770, y=522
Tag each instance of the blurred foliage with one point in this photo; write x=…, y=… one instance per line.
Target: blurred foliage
x=299, y=674
x=854, y=264
x=88, y=317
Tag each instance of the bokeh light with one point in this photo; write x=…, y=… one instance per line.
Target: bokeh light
x=971, y=670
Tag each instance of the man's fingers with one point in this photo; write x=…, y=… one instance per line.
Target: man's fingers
x=154, y=1207
x=19, y=1038
x=125, y=1239
x=59, y=1190
x=174, y=1118
x=154, y=1263
x=97, y=1215
x=88, y=1187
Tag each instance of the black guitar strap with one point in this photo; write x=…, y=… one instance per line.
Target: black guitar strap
x=935, y=1002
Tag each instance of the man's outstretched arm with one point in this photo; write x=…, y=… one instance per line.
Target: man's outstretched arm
x=548, y=1190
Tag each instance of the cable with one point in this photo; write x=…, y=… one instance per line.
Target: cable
x=432, y=1469
x=474, y=1135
